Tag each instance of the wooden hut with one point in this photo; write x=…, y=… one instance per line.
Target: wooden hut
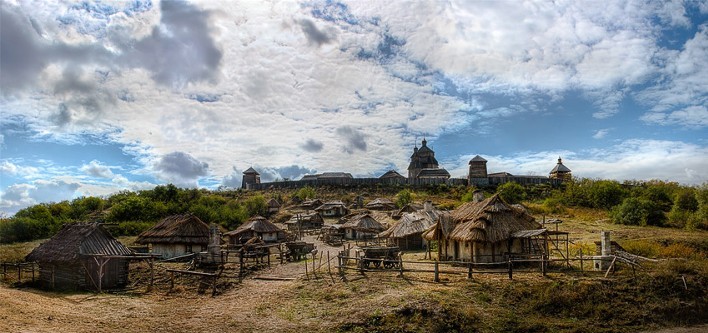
x=256, y=227
x=483, y=230
x=305, y=222
x=361, y=226
x=407, y=234
x=82, y=256
x=381, y=204
x=273, y=206
x=440, y=232
x=311, y=204
x=176, y=236
x=332, y=209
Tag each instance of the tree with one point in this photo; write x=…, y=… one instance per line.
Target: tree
x=511, y=192
x=632, y=211
x=403, y=198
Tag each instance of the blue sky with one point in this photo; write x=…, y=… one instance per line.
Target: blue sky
x=99, y=97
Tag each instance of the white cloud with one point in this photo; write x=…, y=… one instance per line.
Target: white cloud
x=96, y=169
x=18, y=196
x=601, y=133
x=9, y=168
x=180, y=168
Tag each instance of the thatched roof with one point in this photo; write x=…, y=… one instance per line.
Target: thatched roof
x=331, y=204
x=257, y=224
x=491, y=220
x=363, y=222
x=441, y=229
x=77, y=239
x=412, y=223
x=273, y=203
x=381, y=203
x=176, y=229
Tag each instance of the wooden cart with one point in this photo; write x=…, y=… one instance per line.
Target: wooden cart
x=380, y=255
x=297, y=250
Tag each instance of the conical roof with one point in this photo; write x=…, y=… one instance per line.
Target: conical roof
x=491, y=220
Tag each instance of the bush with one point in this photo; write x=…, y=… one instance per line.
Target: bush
x=511, y=192
x=632, y=211
x=403, y=198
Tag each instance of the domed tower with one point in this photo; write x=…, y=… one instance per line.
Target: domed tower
x=250, y=176
x=478, y=168
x=423, y=158
x=560, y=171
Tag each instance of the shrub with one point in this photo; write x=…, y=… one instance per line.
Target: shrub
x=403, y=198
x=632, y=211
x=511, y=192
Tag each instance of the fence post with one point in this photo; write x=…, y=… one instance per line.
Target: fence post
x=581, y=259
x=19, y=273
x=400, y=265
x=469, y=270
x=510, y=270
x=437, y=276
x=543, y=264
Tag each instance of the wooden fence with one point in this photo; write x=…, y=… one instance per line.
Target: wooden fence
x=23, y=271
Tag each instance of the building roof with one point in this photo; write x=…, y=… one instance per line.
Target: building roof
x=335, y=175
x=391, y=174
x=363, y=222
x=412, y=223
x=75, y=240
x=491, y=220
x=312, y=217
x=477, y=158
x=256, y=224
x=441, y=229
x=560, y=168
x=500, y=174
x=273, y=203
x=176, y=229
x=251, y=170
x=437, y=173
x=331, y=204
x=381, y=203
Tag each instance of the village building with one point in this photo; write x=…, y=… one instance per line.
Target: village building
x=250, y=177
x=560, y=171
x=176, y=235
x=257, y=227
x=407, y=234
x=305, y=222
x=381, y=204
x=82, y=256
x=311, y=204
x=484, y=231
x=392, y=176
x=273, y=206
x=423, y=164
x=361, y=226
x=332, y=209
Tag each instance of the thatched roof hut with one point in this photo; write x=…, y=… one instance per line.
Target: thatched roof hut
x=361, y=226
x=491, y=220
x=176, y=235
x=305, y=222
x=66, y=261
x=481, y=231
x=333, y=209
x=273, y=206
x=407, y=233
x=257, y=226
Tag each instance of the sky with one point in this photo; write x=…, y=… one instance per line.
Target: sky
x=101, y=97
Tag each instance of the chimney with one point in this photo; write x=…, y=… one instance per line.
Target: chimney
x=606, y=245
x=214, y=246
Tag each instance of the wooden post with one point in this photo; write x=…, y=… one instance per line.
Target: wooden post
x=213, y=291
x=329, y=268
x=19, y=273
x=612, y=265
x=32, y=264
x=314, y=260
x=172, y=280
x=469, y=270
x=437, y=275
x=280, y=249
x=152, y=273
x=306, y=275
x=400, y=265
x=543, y=264
x=268, y=256
x=240, y=265
x=581, y=259
x=511, y=277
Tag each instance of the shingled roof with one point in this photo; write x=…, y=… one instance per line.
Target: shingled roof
x=182, y=229
x=75, y=240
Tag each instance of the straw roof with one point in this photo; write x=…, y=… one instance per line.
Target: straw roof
x=257, y=224
x=273, y=203
x=363, y=222
x=441, y=229
x=176, y=229
x=413, y=223
x=491, y=220
x=381, y=203
x=77, y=239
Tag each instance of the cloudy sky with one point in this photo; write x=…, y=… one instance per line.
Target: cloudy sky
x=98, y=97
